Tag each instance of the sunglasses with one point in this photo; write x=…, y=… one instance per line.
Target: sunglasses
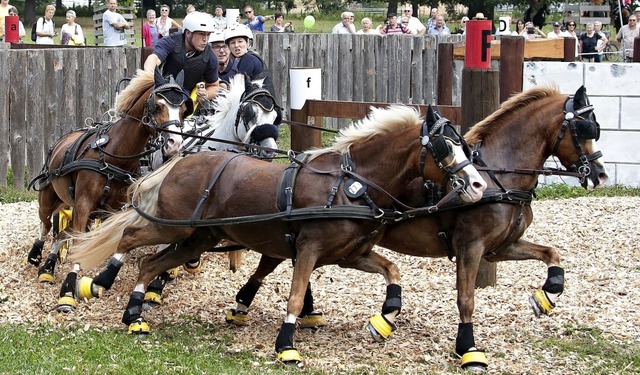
x=248, y=11
x=164, y=10
x=407, y=10
x=572, y=24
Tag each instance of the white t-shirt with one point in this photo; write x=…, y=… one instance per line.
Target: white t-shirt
x=164, y=29
x=74, y=31
x=44, y=26
x=113, y=36
x=415, y=26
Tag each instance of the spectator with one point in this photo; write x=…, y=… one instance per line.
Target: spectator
x=114, y=25
x=343, y=27
x=4, y=11
x=414, y=25
x=440, y=28
x=536, y=13
x=571, y=30
x=393, y=27
x=255, y=23
x=352, y=24
x=71, y=33
x=404, y=22
x=602, y=42
x=431, y=22
x=463, y=26
x=165, y=23
x=278, y=27
x=190, y=8
x=239, y=39
x=532, y=32
x=189, y=52
x=637, y=12
x=150, y=34
x=588, y=43
x=13, y=11
x=557, y=32
x=46, y=28
x=519, y=28
x=219, y=21
x=367, y=27
x=627, y=34
x=226, y=64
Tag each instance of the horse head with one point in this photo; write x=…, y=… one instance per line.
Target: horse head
x=580, y=146
x=167, y=105
x=451, y=153
x=258, y=117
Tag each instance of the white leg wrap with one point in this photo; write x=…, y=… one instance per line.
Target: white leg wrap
x=119, y=256
x=241, y=307
x=290, y=319
x=139, y=288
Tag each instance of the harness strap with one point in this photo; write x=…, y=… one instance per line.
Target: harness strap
x=198, y=211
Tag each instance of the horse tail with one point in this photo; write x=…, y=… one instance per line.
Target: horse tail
x=91, y=248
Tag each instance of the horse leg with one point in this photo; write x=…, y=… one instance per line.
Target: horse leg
x=302, y=270
x=381, y=325
x=48, y=202
x=467, y=264
x=154, y=265
x=89, y=288
x=543, y=300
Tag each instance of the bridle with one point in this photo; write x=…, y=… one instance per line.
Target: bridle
x=175, y=100
x=263, y=99
x=435, y=141
x=580, y=128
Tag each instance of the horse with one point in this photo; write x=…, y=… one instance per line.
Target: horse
x=514, y=142
x=90, y=169
x=286, y=212
x=620, y=13
x=244, y=119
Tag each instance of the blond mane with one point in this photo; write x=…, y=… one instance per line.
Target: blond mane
x=511, y=106
x=380, y=121
x=140, y=83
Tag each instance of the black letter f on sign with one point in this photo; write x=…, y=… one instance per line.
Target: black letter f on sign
x=308, y=82
x=485, y=45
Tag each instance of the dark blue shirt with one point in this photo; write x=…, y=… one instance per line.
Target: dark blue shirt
x=198, y=67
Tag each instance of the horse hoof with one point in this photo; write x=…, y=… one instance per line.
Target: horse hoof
x=139, y=327
x=239, y=318
x=540, y=303
x=87, y=289
x=290, y=357
x=474, y=361
x=380, y=328
x=66, y=304
x=193, y=267
x=152, y=299
x=64, y=251
x=45, y=277
x=173, y=273
x=312, y=320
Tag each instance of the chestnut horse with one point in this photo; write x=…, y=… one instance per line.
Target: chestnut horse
x=328, y=209
x=90, y=169
x=514, y=142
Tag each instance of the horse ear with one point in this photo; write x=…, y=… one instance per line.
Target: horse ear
x=580, y=99
x=247, y=83
x=431, y=117
x=180, y=78
x=158, y=79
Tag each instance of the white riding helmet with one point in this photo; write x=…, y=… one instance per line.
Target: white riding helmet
x=216, y=36
x=198, y=21
x=238, y=30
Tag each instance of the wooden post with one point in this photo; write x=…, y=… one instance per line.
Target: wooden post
x=636, y=49
x=569, y=50
x=480, y=98
x=146, y=51
x=303, y=138
x=511, y=65
x=445, y=74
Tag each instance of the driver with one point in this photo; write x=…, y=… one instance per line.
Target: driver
x=190, y=52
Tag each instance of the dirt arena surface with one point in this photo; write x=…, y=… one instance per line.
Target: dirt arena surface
x=598, y=240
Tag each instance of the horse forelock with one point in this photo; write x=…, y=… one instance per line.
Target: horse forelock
x=380, y=121
x=142, y=82
x=513, y=105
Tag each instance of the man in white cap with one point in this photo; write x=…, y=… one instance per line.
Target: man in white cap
x=414, y=25
x=557, y=32
x=637, y=12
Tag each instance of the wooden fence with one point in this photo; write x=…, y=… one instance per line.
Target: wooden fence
x=46, y=93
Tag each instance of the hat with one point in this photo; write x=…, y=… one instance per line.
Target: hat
x=391, y=15
x=556, y=24
x=637, y=10
x=479, y=16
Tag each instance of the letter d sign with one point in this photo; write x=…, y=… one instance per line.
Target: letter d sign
x=478, y=45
